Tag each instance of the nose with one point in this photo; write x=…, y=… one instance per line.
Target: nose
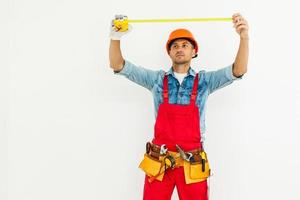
x=179, y=51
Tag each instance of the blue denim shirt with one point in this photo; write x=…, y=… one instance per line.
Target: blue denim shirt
x=209, y=82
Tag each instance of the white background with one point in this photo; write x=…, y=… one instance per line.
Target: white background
x=71, y=129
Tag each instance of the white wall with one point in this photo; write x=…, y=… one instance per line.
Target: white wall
x=4, y=95
x=77, y=131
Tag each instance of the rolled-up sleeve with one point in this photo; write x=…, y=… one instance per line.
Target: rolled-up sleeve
x=127, y=68
x=220, y=78
x=140, y=75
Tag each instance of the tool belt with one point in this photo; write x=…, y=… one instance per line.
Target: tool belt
x=157, y=160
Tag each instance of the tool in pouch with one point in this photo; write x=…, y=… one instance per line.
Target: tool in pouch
x=121, y=22
x=157, y=160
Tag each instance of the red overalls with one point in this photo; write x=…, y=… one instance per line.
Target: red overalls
x=177, y=124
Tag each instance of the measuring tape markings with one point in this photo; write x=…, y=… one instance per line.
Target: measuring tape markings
x=122, y=24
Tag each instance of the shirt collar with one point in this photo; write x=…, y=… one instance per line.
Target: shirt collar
x=190, y=72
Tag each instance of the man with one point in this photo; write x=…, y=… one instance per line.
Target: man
x=176, y=157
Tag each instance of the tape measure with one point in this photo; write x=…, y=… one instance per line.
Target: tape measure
x=122, y=24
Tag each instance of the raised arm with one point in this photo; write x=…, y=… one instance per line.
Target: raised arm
x=115, y=55
x=138, y=74
x=241, y=60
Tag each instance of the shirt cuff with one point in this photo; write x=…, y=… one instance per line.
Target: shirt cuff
x=229, y=73
x=126, y=70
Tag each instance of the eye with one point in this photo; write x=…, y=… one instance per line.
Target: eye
x=174, y=46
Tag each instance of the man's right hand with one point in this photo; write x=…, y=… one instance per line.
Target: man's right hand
x=115, y=33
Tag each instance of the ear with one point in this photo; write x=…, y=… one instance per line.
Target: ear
x=194, y=52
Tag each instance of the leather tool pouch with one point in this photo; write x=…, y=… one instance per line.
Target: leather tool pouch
x=151, y=166
x=197, y=171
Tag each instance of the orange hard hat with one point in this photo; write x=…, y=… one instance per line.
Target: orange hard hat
x=181, y=33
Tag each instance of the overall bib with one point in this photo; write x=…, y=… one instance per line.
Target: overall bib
x=177, y=124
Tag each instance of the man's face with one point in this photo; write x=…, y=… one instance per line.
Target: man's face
x=181, y=51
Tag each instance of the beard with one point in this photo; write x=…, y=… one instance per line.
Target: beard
x=181, y=62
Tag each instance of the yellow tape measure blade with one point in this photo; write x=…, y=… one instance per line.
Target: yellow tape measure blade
x=178, y=20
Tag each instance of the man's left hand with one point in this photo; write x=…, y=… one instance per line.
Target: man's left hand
x=241, y=25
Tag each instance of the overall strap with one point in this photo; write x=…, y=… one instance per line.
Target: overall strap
x=195, y=90
x=165, y=89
